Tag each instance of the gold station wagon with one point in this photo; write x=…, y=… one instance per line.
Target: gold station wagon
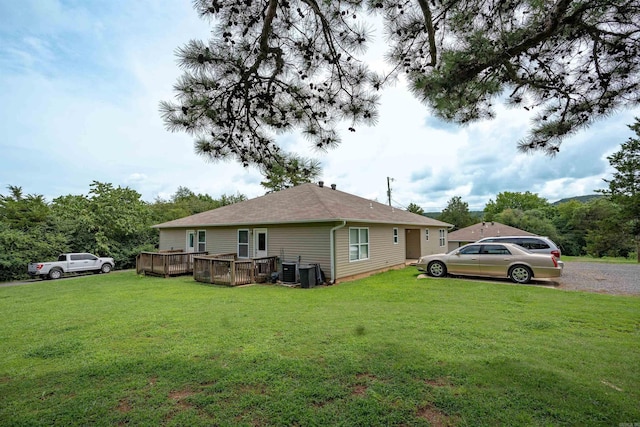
x=492, y=260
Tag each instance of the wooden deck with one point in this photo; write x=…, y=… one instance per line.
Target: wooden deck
x=170, y=263
x=227, y=269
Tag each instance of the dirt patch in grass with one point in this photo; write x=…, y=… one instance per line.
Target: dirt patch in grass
x=436, y=417
x=180, y=395
x=124, y=406
x=259, y=389
x=438, y=382
x=359, y=390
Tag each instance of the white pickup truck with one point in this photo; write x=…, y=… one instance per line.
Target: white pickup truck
x=70, y=263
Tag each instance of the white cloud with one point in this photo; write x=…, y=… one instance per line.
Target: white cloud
x=81, y=86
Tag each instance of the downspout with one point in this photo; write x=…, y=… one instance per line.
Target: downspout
x=332, y=250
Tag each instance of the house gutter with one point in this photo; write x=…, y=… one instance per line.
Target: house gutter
x=332, y=250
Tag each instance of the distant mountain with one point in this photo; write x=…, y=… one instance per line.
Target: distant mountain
x=479, y=214
x=581, y=199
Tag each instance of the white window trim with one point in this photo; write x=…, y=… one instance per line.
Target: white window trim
x=396, y=236
x=426, y=233
x=360, y=244
x=247, y=244
x=443, y=237
x=203, y=242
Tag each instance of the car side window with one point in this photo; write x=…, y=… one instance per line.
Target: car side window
x=534, y=244
x=470, y=250
x=495, y=250
x=75, y=257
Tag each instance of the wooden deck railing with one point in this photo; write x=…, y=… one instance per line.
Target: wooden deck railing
x=166, y=263
x=231, y=271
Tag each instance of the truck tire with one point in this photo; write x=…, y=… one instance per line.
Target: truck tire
x=106, y=268
x=55, y=273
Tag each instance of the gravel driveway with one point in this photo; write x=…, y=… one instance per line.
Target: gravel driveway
x=617, y=279
x=614, y=279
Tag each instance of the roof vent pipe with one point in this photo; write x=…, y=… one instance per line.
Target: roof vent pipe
x=321, y=184
x=333, y=186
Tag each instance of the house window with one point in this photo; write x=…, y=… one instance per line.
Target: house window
x=426, y=234
x=443, y=236
x=243, y=243
x=358, y=244
x=202, y=240
x=395, y=236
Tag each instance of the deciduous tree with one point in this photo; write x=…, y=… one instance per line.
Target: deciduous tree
x=415, y=209
x=457, y=213
x=513, y=200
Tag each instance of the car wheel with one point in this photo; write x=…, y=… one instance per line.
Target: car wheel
x=520, y=274
x=437, y=269
x=105, y=268
x=54, y=274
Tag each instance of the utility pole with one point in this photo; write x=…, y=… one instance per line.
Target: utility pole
x=389, y=189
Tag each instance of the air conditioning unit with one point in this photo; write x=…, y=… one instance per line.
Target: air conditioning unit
x=289, y=272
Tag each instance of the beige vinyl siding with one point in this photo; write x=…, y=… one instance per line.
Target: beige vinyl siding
x=432, y=246
x=309, y=241
x=174, y=239
x=222, y=240
x=382, y=252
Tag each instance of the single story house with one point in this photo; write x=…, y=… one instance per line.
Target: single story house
x=478, y=231
x=347, y=235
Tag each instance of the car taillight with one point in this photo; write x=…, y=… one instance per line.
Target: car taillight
x=556, y=254
x=39, y=266
x=555, y=261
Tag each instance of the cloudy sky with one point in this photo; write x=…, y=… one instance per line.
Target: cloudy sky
x=80, y=83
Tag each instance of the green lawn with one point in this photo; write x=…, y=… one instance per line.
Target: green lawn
x=388, y=350
x=606, y=259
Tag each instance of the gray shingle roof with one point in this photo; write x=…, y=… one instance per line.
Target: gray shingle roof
x=485, y=229
x=300, y=204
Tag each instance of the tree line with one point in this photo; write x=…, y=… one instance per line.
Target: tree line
x=107, y=221
x=116, y=222
x=603, y=226
x=598, y=227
